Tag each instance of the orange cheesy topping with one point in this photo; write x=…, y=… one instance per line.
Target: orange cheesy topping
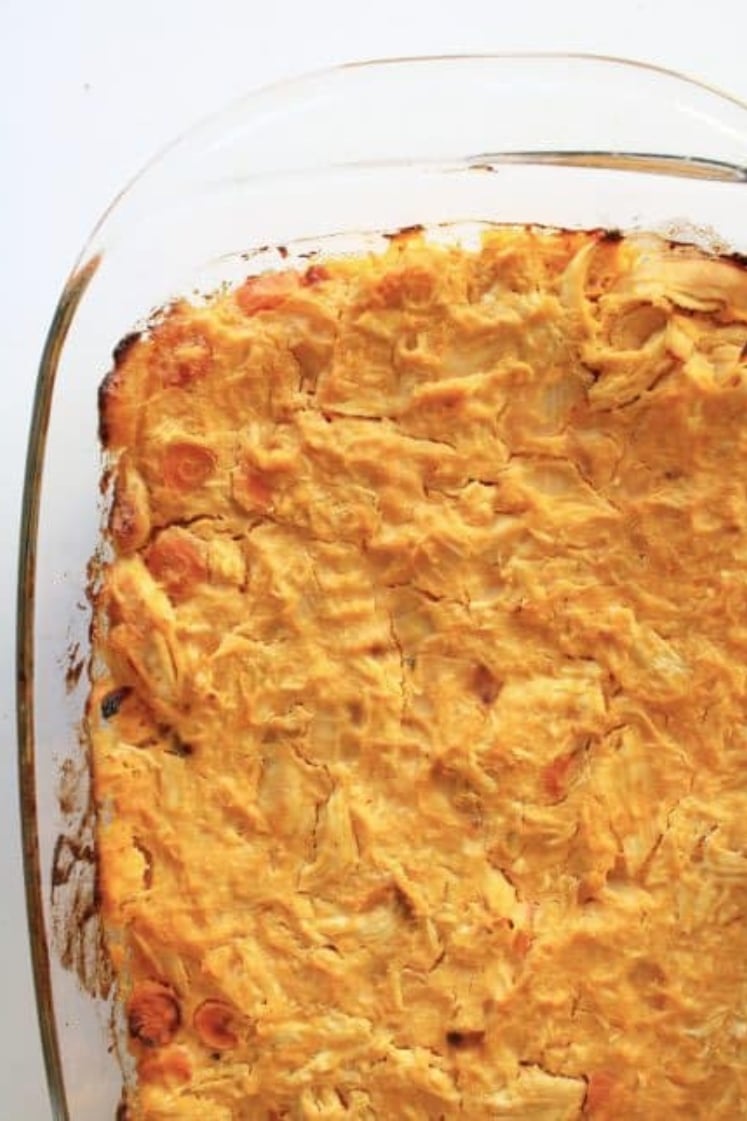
x=420, y=751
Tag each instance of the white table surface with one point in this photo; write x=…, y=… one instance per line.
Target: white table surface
x=89, y=91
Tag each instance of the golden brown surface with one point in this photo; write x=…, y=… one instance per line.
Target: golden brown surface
x=421, y=755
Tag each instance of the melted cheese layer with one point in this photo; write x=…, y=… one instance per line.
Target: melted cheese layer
x=421, y=753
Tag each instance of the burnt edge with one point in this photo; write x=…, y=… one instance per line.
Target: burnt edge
x=120, y=354
x=738, y=259
x=109, y=382
x=124, y=346
x=463, y=1038
x=106, y=388
x=405, y=231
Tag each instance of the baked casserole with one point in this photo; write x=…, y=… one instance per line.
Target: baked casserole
x=419, y=728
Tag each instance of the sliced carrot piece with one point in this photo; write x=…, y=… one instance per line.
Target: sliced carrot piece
x=213, y=1021
x=153, y=1014
x=187, y=466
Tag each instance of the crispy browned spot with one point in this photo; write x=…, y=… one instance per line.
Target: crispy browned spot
x=462, y=1038
x=136, y=723
x=486, y=684
x=111, y=702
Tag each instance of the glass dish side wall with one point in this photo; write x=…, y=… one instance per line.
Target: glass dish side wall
x=321, y=163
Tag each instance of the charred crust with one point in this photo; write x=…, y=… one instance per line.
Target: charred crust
x=160, y=314
x=461, y=1039
x=106, y=391
x=611, y=236
x=179, y=748
x=124, y=346
x=485, y=684
x=111, y=703
x=738, y=259
x=405, y=232
x=174, y=744
x=109, y=384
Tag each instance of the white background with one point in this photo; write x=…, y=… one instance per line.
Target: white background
x=89, y=91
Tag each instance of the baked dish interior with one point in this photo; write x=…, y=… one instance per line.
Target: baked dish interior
x=418, y=719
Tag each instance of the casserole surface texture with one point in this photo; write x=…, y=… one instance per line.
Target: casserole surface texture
x=418, y=733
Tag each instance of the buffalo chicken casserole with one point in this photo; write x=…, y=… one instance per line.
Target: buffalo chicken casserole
x=419, y=715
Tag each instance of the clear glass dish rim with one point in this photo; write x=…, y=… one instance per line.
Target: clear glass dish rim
x=73, y=290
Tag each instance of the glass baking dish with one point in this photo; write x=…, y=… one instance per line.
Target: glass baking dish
x=330, y=162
